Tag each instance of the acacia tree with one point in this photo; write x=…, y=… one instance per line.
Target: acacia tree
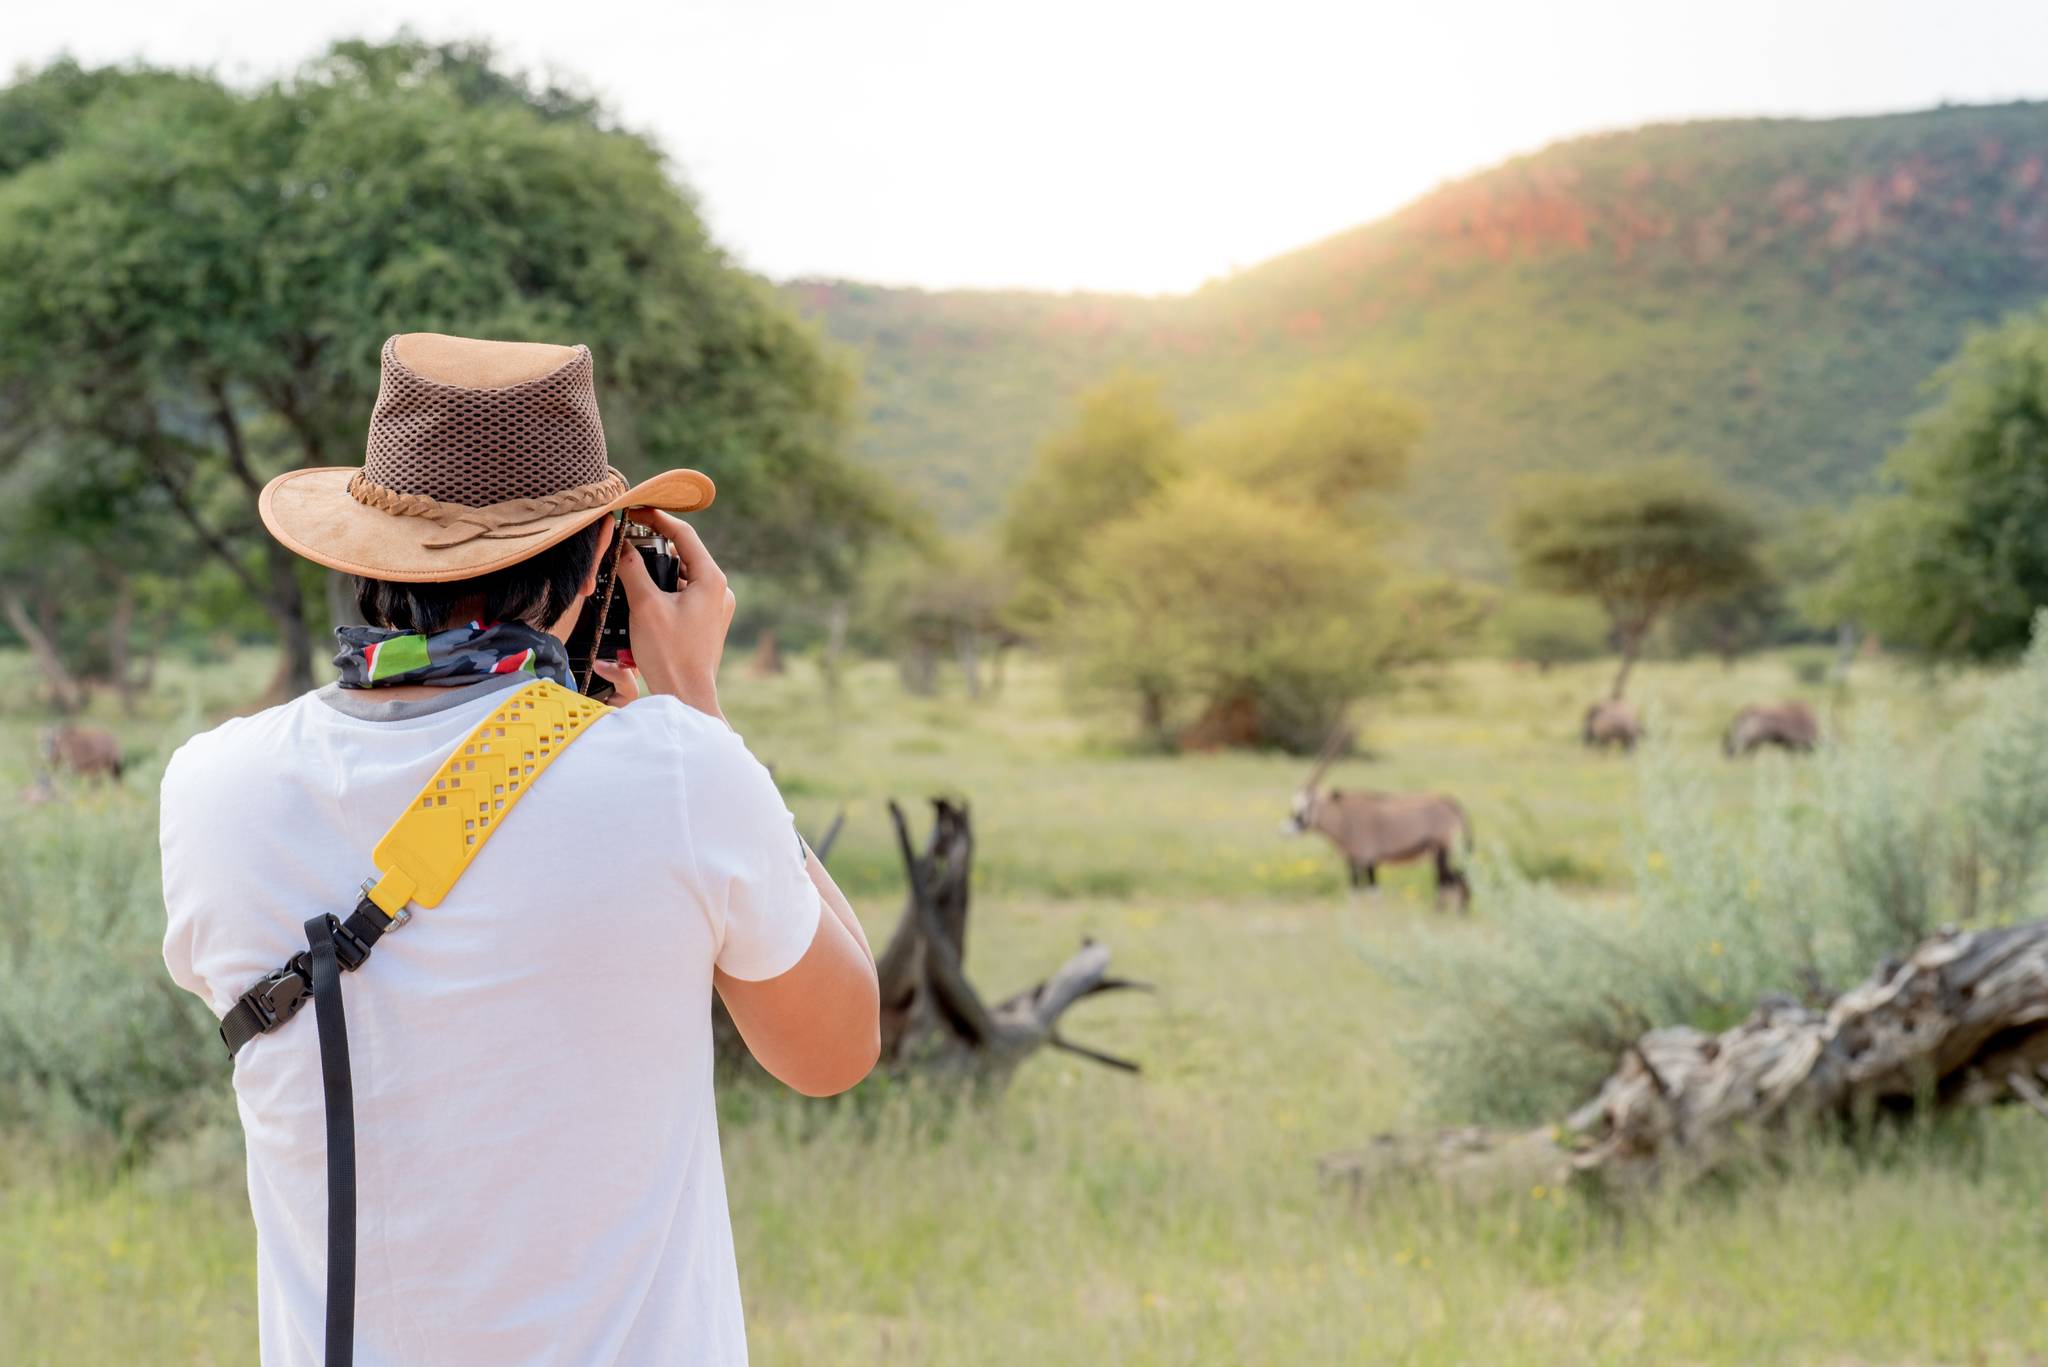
x=1638, y=541
x=1122, y=447
x=1953, y=559
x=196, y=281
x=1246, y=587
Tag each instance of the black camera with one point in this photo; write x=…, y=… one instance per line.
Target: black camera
x=601, y=631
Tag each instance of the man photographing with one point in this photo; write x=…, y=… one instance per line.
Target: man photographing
x=536, y=1174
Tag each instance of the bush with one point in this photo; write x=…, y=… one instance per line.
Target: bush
x=97, y=1045
x=1549, y=629
x=1804, y=898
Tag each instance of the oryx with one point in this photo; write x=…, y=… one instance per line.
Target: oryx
x=86, y=751
x=1788, y=724
x=1372, y=828
x=1611, y=722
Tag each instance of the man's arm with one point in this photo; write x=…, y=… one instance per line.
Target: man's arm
x=816, y=1027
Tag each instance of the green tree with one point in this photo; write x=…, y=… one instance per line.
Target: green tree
x=196, y=281
x=1727, y=625
x=1220, y=600
x=1123, y=446
x=925, y=604
x=1638, y=541
x=73, y=588
x=1953, y=558
x=1548, y=629
x=1330, y=440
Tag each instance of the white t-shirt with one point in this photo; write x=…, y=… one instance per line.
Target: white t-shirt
x=537, y=1159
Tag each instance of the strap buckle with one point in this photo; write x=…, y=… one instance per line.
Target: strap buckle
x=278, y=997
x=349, y=949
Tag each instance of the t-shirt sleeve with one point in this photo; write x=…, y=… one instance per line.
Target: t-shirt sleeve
x=181, y=928
x=750, y=861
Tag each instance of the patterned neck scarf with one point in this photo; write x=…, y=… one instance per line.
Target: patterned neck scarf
x=375, y=657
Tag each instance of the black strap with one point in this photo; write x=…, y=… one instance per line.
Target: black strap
x=278, y=997
x=324, y=964
x=333, y=946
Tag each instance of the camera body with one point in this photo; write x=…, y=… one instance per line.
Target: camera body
x=602, y=632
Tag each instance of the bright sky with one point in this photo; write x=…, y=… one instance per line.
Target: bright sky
x=1140, y=145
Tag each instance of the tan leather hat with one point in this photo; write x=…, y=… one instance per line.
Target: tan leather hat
x=481, y=454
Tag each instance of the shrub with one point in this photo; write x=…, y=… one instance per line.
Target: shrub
x=96, y=1043
x=1521, y=1021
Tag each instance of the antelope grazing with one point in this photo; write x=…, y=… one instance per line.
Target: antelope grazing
x=86, y=751
x=1787, y=724
x=1371, y=829
x=1611, y=722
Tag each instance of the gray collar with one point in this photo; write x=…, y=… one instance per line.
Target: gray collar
x=364, y=704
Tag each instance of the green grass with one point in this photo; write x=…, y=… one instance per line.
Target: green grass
x=1086, y=1216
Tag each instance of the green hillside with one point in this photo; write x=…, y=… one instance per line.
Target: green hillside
x=1767, y=295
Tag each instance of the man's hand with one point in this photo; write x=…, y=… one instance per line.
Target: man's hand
x=677, y=638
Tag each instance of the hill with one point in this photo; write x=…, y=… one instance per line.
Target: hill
x=1768, y=295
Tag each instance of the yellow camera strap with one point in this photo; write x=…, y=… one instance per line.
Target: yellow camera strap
x=433, y=841
x=419, y=859
x=469, y=796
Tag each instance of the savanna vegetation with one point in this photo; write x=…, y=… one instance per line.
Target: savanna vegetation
x=1175, y=1216
x=1184, y=544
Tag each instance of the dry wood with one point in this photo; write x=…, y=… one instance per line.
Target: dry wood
x=931, y=1013
x=1961, y=1021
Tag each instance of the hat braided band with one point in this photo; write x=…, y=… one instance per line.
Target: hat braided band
x=460, y=523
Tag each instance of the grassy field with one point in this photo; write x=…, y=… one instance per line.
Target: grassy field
x=1175, y=1217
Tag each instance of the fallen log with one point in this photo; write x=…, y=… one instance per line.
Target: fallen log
x=1961, y=1021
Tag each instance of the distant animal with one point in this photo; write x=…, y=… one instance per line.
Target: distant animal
x=1790, y=725
x=86, y=751
x=1612, y=721
x=1372, y=828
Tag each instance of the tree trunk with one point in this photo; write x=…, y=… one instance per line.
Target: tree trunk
x=1845, y=653
x=1152, y=715
x=66, y=695
x=932, y=1016
x=287, y=606
x=831, y=658
x=286, y=603
x=1961, y=1021
x=1631, y=646
x=767, y=661
x=337, y=591
x=118, y=627
x=145, y=678
x=967, y=648
x=919, y=669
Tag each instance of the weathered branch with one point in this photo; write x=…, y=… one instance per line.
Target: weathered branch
x=1961, y=1021
x=930, y=1008
x=161, y=470
x=65, y=693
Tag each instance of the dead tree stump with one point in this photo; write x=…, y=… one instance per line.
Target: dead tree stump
x=1961, y=1021
x=932, y=1016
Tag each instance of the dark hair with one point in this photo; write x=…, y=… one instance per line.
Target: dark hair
x=534, y=591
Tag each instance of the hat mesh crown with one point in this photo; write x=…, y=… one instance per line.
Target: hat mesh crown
x=478, y=447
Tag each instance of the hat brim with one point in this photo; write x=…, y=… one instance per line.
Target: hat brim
x=314, y=515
